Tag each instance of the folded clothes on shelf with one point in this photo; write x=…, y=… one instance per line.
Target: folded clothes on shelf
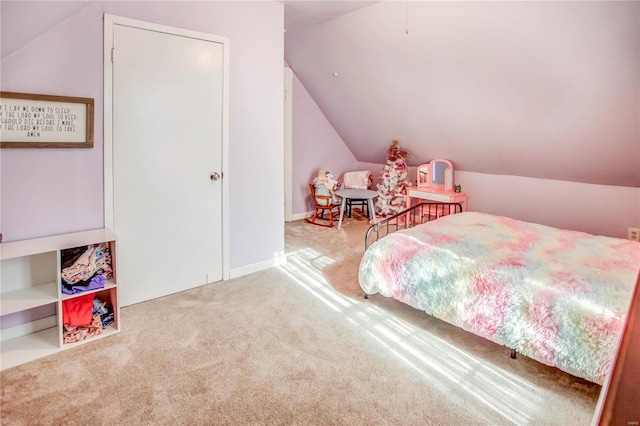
x=88, y=268
x=76, y=334
x=84, y=317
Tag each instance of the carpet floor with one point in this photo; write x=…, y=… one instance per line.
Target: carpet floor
x=291, y=345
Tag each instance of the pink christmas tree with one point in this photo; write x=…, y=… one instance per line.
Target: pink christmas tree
x=392, y=183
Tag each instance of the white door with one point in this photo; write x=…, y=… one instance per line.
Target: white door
x=167, y=129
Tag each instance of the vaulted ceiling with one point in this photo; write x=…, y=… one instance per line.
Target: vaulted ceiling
x=23, y=21
x=538, y=89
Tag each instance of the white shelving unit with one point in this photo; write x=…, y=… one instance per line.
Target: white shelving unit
x=29, y=298
x=30, y=279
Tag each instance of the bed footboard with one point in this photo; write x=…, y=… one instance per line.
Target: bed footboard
x=416, y=215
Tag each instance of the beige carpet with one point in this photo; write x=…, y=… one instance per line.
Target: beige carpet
x=291, y=345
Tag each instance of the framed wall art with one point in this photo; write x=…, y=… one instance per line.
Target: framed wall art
x=45, y=121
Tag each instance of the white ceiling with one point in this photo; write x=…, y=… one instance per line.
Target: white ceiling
x=17, y=32
x=305, y=13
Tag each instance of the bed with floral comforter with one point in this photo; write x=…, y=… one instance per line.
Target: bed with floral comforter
x=554, y=295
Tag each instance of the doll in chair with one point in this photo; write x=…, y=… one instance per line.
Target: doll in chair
x=325, y=184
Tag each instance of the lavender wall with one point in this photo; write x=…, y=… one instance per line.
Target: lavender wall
x=316, y=145
x=46, y=191
x=51, y=191
x=597, y=209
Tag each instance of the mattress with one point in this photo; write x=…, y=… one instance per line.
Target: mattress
x=557, y=296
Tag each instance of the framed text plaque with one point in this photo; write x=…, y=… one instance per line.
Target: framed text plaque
x=45, y=121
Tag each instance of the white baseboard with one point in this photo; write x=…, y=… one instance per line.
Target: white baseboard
x=260, y=266
x=299, y=216
x=266, y=264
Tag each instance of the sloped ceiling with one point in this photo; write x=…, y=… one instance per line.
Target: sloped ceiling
x=538, y=89
x=24, y=21
x=300, y=14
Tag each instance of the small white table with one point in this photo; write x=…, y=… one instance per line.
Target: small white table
x=360, y=194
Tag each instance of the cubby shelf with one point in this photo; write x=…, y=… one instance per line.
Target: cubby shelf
x=31, y=277
x=105, y=333
x=28, y=298
x=108, y=285
x=30, y=347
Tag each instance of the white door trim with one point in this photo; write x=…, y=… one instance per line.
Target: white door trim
x=109, y=22
x=288, y=142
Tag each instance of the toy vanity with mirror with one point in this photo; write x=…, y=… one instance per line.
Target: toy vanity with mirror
x=437, y=174
x=435, y=183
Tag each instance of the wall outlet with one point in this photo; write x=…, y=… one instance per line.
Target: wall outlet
x=634, y=234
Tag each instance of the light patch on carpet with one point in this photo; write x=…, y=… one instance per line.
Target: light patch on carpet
x=439, y=362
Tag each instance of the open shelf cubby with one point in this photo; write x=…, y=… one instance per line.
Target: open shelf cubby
x=31, y=297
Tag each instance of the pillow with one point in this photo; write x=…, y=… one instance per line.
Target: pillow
x=357, y=180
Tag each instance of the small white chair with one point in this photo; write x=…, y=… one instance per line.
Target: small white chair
x=357, y=180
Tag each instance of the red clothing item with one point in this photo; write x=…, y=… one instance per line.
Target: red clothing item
x=76, y=312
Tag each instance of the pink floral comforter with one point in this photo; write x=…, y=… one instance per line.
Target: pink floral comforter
x=554, y=295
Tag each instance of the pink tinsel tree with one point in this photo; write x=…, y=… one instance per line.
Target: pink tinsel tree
x=392, y=182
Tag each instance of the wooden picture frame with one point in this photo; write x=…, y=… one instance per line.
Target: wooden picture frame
x=45, y=121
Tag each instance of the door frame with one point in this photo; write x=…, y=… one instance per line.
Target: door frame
x=288, y=143
x=110, y=21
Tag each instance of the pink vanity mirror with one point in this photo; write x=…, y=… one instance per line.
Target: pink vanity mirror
x=436, y=175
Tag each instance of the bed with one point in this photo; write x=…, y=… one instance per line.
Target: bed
x=557, y=296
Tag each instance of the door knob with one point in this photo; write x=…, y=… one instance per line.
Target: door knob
x=215, y=176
